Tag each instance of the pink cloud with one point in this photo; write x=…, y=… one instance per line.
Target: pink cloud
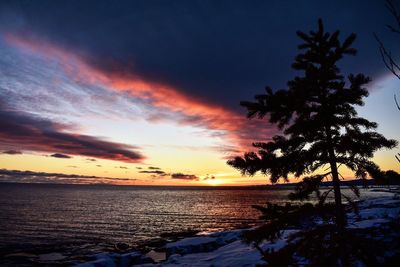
x=238, y=131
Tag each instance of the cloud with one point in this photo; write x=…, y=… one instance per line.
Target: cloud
x=204, y=80
x=210, y=50
x=153, y=168
x=28, y=132
x=158, y=172
x=209, y=177
x=60, y=156
x=92, y=160
x=227, y=124
x=122, y=167
x=200, y=82
x=183, y=176
x=139, y=168
x=45, y=177
x=12, y=152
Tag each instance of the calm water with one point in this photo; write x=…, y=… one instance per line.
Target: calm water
x=34, y=214
x=45, y=215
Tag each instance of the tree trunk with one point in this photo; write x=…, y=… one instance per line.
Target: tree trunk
x=340, y=215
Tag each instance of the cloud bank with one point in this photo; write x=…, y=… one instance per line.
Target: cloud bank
x=45, y=177
x=31, y=133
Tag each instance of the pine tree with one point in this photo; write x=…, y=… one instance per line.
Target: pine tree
x=320, y=128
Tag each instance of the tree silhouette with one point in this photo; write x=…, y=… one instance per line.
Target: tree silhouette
x=320, y=126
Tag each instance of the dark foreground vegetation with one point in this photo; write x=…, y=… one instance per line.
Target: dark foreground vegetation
x=321, y=132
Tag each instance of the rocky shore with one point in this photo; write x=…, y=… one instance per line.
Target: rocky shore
x=379, y=215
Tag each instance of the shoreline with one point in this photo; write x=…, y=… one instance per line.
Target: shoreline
x=226, y=248
x=179, y=248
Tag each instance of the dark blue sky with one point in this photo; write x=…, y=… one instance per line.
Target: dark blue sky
x=218, y=51
x=158, y=83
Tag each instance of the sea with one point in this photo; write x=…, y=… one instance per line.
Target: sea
x=42, y=218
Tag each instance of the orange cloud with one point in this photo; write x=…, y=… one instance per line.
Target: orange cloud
x=237, y=130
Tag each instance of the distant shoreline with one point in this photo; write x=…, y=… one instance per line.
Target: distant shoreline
x=179, y=187
x=285, y=186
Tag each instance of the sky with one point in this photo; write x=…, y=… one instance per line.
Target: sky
x=148, y=92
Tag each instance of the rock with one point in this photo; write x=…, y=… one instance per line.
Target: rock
x=155, y=243
x=178, y=235
x=157, y=256
x=122, y=246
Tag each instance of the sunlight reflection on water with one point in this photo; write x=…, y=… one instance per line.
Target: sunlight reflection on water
x=48, y=214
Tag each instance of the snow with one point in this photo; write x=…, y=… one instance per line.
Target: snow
x=206, y=243
x=102, y=260
x=192, y=245
x=234, y=254
x=367, y=223
x=375, y=211
x=114, y=260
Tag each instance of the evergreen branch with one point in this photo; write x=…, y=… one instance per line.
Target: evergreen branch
x=320, y=126
x=353, y=204
x=328, y=168
x=323, y=196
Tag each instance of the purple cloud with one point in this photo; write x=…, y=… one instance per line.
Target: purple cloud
x=12, y=152
x=32, y=133
x=60, y=156
x=183, y=176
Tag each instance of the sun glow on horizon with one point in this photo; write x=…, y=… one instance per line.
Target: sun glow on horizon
x=186, y=137
x=215, y=182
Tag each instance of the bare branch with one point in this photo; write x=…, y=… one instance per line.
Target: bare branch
x=387, y=58
x=397, y=104
x=393, y=10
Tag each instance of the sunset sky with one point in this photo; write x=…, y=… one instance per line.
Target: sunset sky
x=148, y=92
